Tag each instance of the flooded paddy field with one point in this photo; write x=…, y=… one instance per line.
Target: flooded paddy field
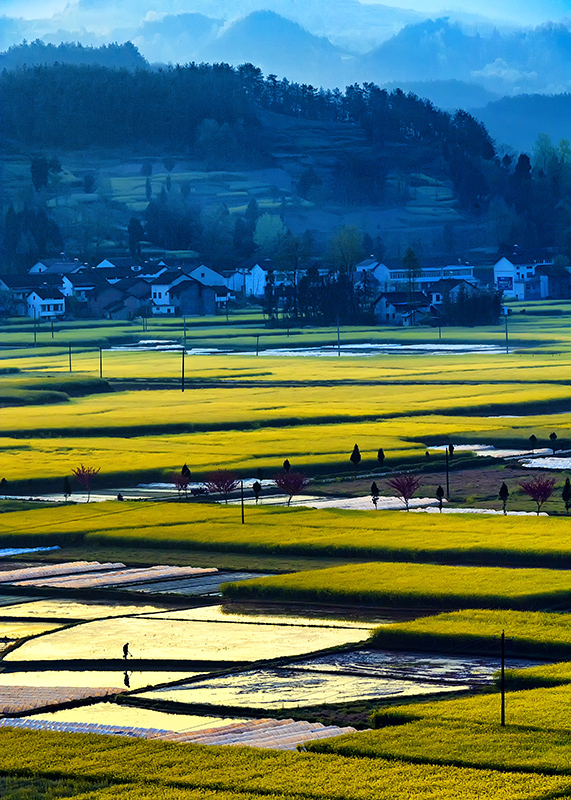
x=164, y=640
x=291, y=688
x=120, y=715
x=190, y=671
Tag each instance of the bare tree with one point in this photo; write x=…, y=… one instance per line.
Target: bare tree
x=539, y=489
x=85, y=476
x=405, y=486
x=181, y=482
x=291, y=483
x=221, y=481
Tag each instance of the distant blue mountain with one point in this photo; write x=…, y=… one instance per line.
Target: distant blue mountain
x=279, y=46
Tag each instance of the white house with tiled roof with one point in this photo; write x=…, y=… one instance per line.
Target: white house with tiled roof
x=45, y=302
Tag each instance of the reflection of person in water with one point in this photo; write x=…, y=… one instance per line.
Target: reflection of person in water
x=127, y=679
x=126, y=653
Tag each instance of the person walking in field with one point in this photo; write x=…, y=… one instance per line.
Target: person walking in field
x=126, y=652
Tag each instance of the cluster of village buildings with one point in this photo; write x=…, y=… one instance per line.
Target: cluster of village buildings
x=121, y=288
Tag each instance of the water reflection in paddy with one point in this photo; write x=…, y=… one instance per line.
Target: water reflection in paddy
x=152, y=638
x=291, y=688
x=19, y=630
x=92, y=680
x=111, y=714
x=474, y=670
x=238, y=614
x=76, y=610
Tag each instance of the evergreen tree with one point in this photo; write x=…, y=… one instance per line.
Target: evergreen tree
x=355, y=457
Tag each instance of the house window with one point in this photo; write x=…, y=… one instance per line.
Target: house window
x=44, y=306
x=202, y=274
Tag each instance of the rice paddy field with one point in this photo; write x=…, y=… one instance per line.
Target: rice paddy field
x=121, y=409
x=249, y=412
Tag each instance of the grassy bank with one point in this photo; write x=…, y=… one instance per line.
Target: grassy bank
x=397, y=585
x=530, y=635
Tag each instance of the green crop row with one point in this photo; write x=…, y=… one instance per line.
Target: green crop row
x=445, y=742
x=244, y=772
x=528, y=634
x=542, y=709
x=401, y=585
x=388, y=535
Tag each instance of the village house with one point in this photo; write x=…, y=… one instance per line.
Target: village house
x=514, y=275
x=404, y=309
x=58, y=266
x=251, y=277
x=449, y=289
x=397, y=278
x=192, y=298
x=126, y=300
x=46, y=303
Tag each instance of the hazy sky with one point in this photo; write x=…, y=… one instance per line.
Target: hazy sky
x=526, y=12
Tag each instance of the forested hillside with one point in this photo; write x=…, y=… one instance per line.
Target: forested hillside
x=361, y=148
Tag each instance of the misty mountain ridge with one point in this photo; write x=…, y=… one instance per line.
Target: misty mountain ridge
x=503, y=62
x=279, y=46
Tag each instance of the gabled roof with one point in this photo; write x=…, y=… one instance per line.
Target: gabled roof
x=137, y=287
x=264, y=263
x=183, y=286
x=19, y=282
x=65, y=268
x=552, y=271
x=86, y=280
x=403, y=298
x=168, y=277
x=47, y=293
x=369, y=264
x=445, y=285
x=124, y=262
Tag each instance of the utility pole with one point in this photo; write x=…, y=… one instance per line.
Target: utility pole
x=52, y=329
x=506, y=319
x=338, y=338
x=503, y=682
x=182, y=368
x=447, y=476
x=257, y=343
x=100, y=362
x=242, y=499
x=69, y=350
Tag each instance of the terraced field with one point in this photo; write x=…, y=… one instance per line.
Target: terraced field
x=249, y=413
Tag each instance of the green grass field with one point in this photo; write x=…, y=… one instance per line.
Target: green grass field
x=530, y=634
x=273, y=530
x=221, y=773
x=414, y=586
x=246, y=412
